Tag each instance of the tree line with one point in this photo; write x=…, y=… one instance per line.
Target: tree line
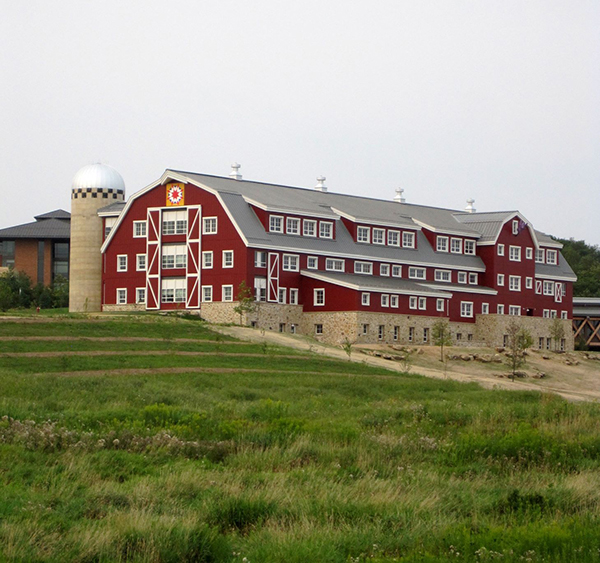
x=17, y=291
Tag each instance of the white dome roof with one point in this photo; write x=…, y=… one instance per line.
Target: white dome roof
x=98, y=176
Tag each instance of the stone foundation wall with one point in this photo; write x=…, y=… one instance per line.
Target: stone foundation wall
x=269, y=316
x=123, y=308
x=336, y=327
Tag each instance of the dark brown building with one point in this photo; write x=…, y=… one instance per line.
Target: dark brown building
x=40, y=249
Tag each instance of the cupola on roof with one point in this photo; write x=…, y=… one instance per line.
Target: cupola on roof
x=98, y=176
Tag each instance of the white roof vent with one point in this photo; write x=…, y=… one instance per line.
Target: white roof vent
x=470, y=208
x=321, y=187
x=399, y=197
x=235, y=171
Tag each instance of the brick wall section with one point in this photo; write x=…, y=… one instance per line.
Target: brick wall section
x=26, y=251
x=48, y=261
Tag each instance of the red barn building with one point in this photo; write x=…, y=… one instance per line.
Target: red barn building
x=335, y=266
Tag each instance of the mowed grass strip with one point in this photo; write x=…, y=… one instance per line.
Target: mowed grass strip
x=300, y=465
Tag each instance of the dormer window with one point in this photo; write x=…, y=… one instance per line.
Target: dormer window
x=552, y=257
x=362, y=234
x=456, y=246
x=393, y=238
x=408, y=240
x=540, y=256
x=292, y=226
x=276, y=224
x=378, y=236
x=470, y=247
x=326, y=229
x=442, y=244
x=309, y=228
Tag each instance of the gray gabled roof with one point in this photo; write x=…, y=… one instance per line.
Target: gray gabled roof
x=112, y=209
x=561, y=270
x=44, y=229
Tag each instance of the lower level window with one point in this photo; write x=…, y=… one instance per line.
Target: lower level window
x=121, y=296
x=319, y=297
x=173, y=290
x=381, y=332
x=318, y=329
x=411, y=333
x=514, y=310
x=466, y=309
x=227, y=293
x=140, y=295
x=425, y=335
x=207, y=293
x=366, y=299
x=396, y=332
x=293, y=297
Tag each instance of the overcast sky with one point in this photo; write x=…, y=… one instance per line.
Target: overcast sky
x=449, y=99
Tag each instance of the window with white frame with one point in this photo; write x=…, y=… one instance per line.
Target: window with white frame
x=546, y=313
x=378, y=236
x=260, y=288
x=440, y=305
x=121, y=296
x=309, y=228
x=515, y=227
x=122, y=263
x=411, y=333
x=281, y=295
x=292, y=226
x=426, y=334
x=312, y=263
x=408, y=239
x=473, y=279
x=207, y=259
x=325, y=229
x=500, y=279
x=173, y=290
x=334, y=265
x=528, y=283
x=207, y=293
x=319, y=328
x=381, y=332
x=174, y=256
x=514, y=253
x=140, y=262
x=362, y=234
x=563, y=314
x=394, y=301
x=514, y=310
x=365, y=329
x=393, y=238
x=423, y=303
x=529, y=253
x=319, y=297
x=548, y=288
x=291, y=262
x=209, y=226
x=293, y=296
x=500, y=250
x=363, y=267
x=396, y=332
x=514, y=283
x=384, y=269
x=466, y=308
x=174, y=222
x=552, y=257
x=500, y=309
x=275, y=224
x=109, y=223
x=412, y=302
x=485, y=308
x=469, y=246
x=443, y=275
x=397, y=271
x=442, y=244
x=226, y=293
x=139, y=229
x=553, y=314
x=456, y=245
x=140, y=295
x=260, y=258
x=365, y=299
x=385, y=300
x=227, y=259
x=462, y=277
x=416, y=273
x=540, y=256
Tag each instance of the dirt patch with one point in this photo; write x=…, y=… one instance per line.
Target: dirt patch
x=579, y=381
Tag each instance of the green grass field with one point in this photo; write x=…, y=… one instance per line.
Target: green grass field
x=251, y=453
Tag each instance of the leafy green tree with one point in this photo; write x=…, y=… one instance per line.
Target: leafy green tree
x=557, y=331
x=519, y=340
x=441, y=335
x=245, y=300
x=585, y=261
x=16, y=290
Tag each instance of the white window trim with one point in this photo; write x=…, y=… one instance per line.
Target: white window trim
x=515, y=227
x=293, y=296
x=137, y=262
x=365, y=299
x=414, y=270
x=422, y=303
x=282, y=291
x=485, y=308
x=413, y=302
x=440, y=305
x=469, y=305
x=500, y=250
x=281, y=223
x=119, y=267
x=471, y=245
x=390, y=234
x=205, y=222
x=528, y=283
x=517, y=252
x=316, y=259
x=335, y=261
x=529, y=253
x=382, y=231
x=223, y=290
x=398, y=268
x=394, y=301
x=500, y=309
x=473, y=278
x=460, y=245
x=135, y=223
x=500, y=280
x=441, y=244
x=288, y=221
x=411, y=238
x=385, y=300
x=440, y=274
x=205, y=254
x=363, y=265
x=542, y=256
x=514, y=310
x=514, y=281
x=383, y=268
x=257, y=263
x=368, y=233
x=553, y=253
x=223, y=265
x=137, y=295
x=123, y=289
x=205, y=287
x=306, y=222
x=330, y=223
x=290, y=257
x=461, y=277
x=317, y=291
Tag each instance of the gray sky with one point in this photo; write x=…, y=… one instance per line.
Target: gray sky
x=450, y=99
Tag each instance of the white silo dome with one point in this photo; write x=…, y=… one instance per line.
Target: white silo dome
x=99, y=176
